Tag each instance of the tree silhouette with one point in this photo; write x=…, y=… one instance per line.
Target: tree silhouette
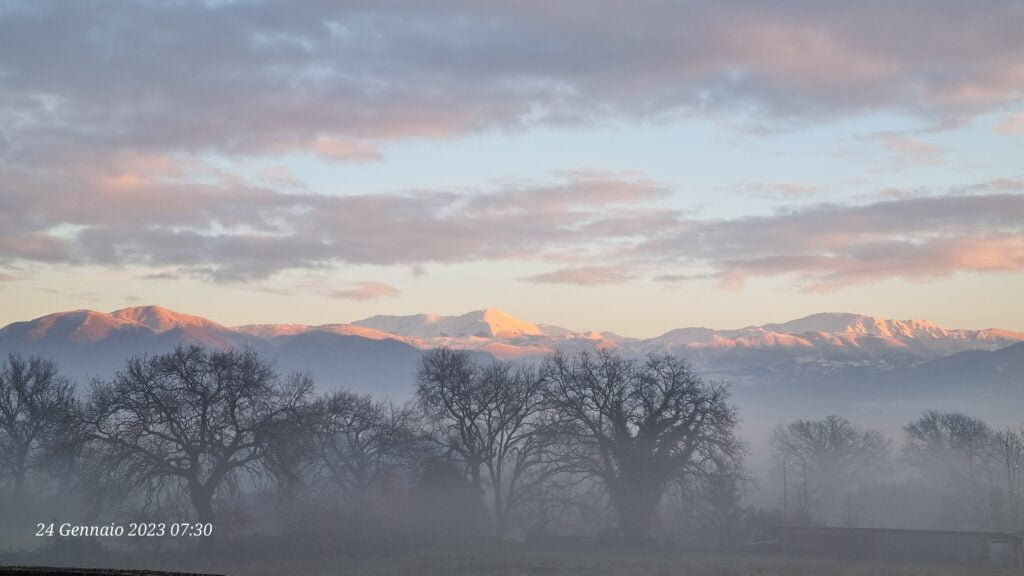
x=490, y=418
x=832, y=456
x=36, y=405
x=639, y=426
x=954, y=450
x=190, y=420
x=359, y=442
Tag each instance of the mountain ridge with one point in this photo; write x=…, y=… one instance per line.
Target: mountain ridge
x=818, y=346
x=488, y=322
x=496, y=323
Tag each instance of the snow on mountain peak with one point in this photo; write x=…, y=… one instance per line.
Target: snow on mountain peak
x=503, y=335
x=504, y=325
x=487, y=323
x=162, y=319
x=79, y=326
x=844, y=323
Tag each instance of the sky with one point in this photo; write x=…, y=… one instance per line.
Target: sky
x=601, y=165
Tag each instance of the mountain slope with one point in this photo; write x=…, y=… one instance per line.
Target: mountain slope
x=381, y=367
x=379, y=353
x=488, y=323
x=73, y=327
x=1004, y=367
x=272, y=331
x=87, y=344
x=162, y=319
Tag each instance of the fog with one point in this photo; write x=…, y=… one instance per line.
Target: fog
x=221, y=455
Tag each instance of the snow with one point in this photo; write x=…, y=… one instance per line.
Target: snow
x=491, y=322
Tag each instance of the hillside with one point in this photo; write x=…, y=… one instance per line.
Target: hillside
x=379, y=354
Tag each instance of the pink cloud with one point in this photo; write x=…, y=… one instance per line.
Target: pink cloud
x=585, y=276
x=1011, y=125
x=830, y=247
x=804, y=52
x=164, y=213
x=907, y=150
x=344, y=150
x=363, y=291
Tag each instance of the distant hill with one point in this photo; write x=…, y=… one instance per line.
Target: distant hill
x=489, y=323
x=379, y=354
x=1001, y=370
x=89, y=344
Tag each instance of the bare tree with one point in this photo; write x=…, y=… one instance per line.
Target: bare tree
x=359, y=442
x=833, y=456
x=36, y=405
x=638, y=427
x=1008, y=458
x=520, y=437
x=449, y=392
x=707, y=510
x=491, y=419
x=953, y=450
x=190, y=420
x=936, y=437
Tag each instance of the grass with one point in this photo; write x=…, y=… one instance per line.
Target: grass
x=511, y=561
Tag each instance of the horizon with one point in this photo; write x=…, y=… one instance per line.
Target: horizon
x=516, y=317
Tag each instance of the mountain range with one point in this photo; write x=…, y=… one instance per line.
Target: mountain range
x=379, y=354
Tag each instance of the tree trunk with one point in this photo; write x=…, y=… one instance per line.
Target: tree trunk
x=20, y=469
x=19, y=482
x=637, y=509
x=500, y=516
x=479, y=497
x=202, y=501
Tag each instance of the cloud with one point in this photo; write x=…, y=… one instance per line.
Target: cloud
x=676, y=278
x=168, y=215
x=163, y=276
x=344, y=79
x=149, y=212
x=773, y=190
x=584, y=276
x=910, y=151
x=107, y=112
x=334, y=149
x=1011, y=125
x=831, y=246
x=364, y=291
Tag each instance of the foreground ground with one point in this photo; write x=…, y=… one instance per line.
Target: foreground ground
x=576, y=562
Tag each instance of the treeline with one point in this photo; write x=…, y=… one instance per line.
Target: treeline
x=953, y=471
x=591, y=446
x=572, y=445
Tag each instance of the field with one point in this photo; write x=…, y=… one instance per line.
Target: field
x=576, y=562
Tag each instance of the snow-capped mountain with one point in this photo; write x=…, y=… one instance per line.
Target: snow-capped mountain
x=272, y=331
x=380, y=352
x=489, y=323
x=884, y=328
x=844, y=329
x=89, y=344
x=161, y=319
